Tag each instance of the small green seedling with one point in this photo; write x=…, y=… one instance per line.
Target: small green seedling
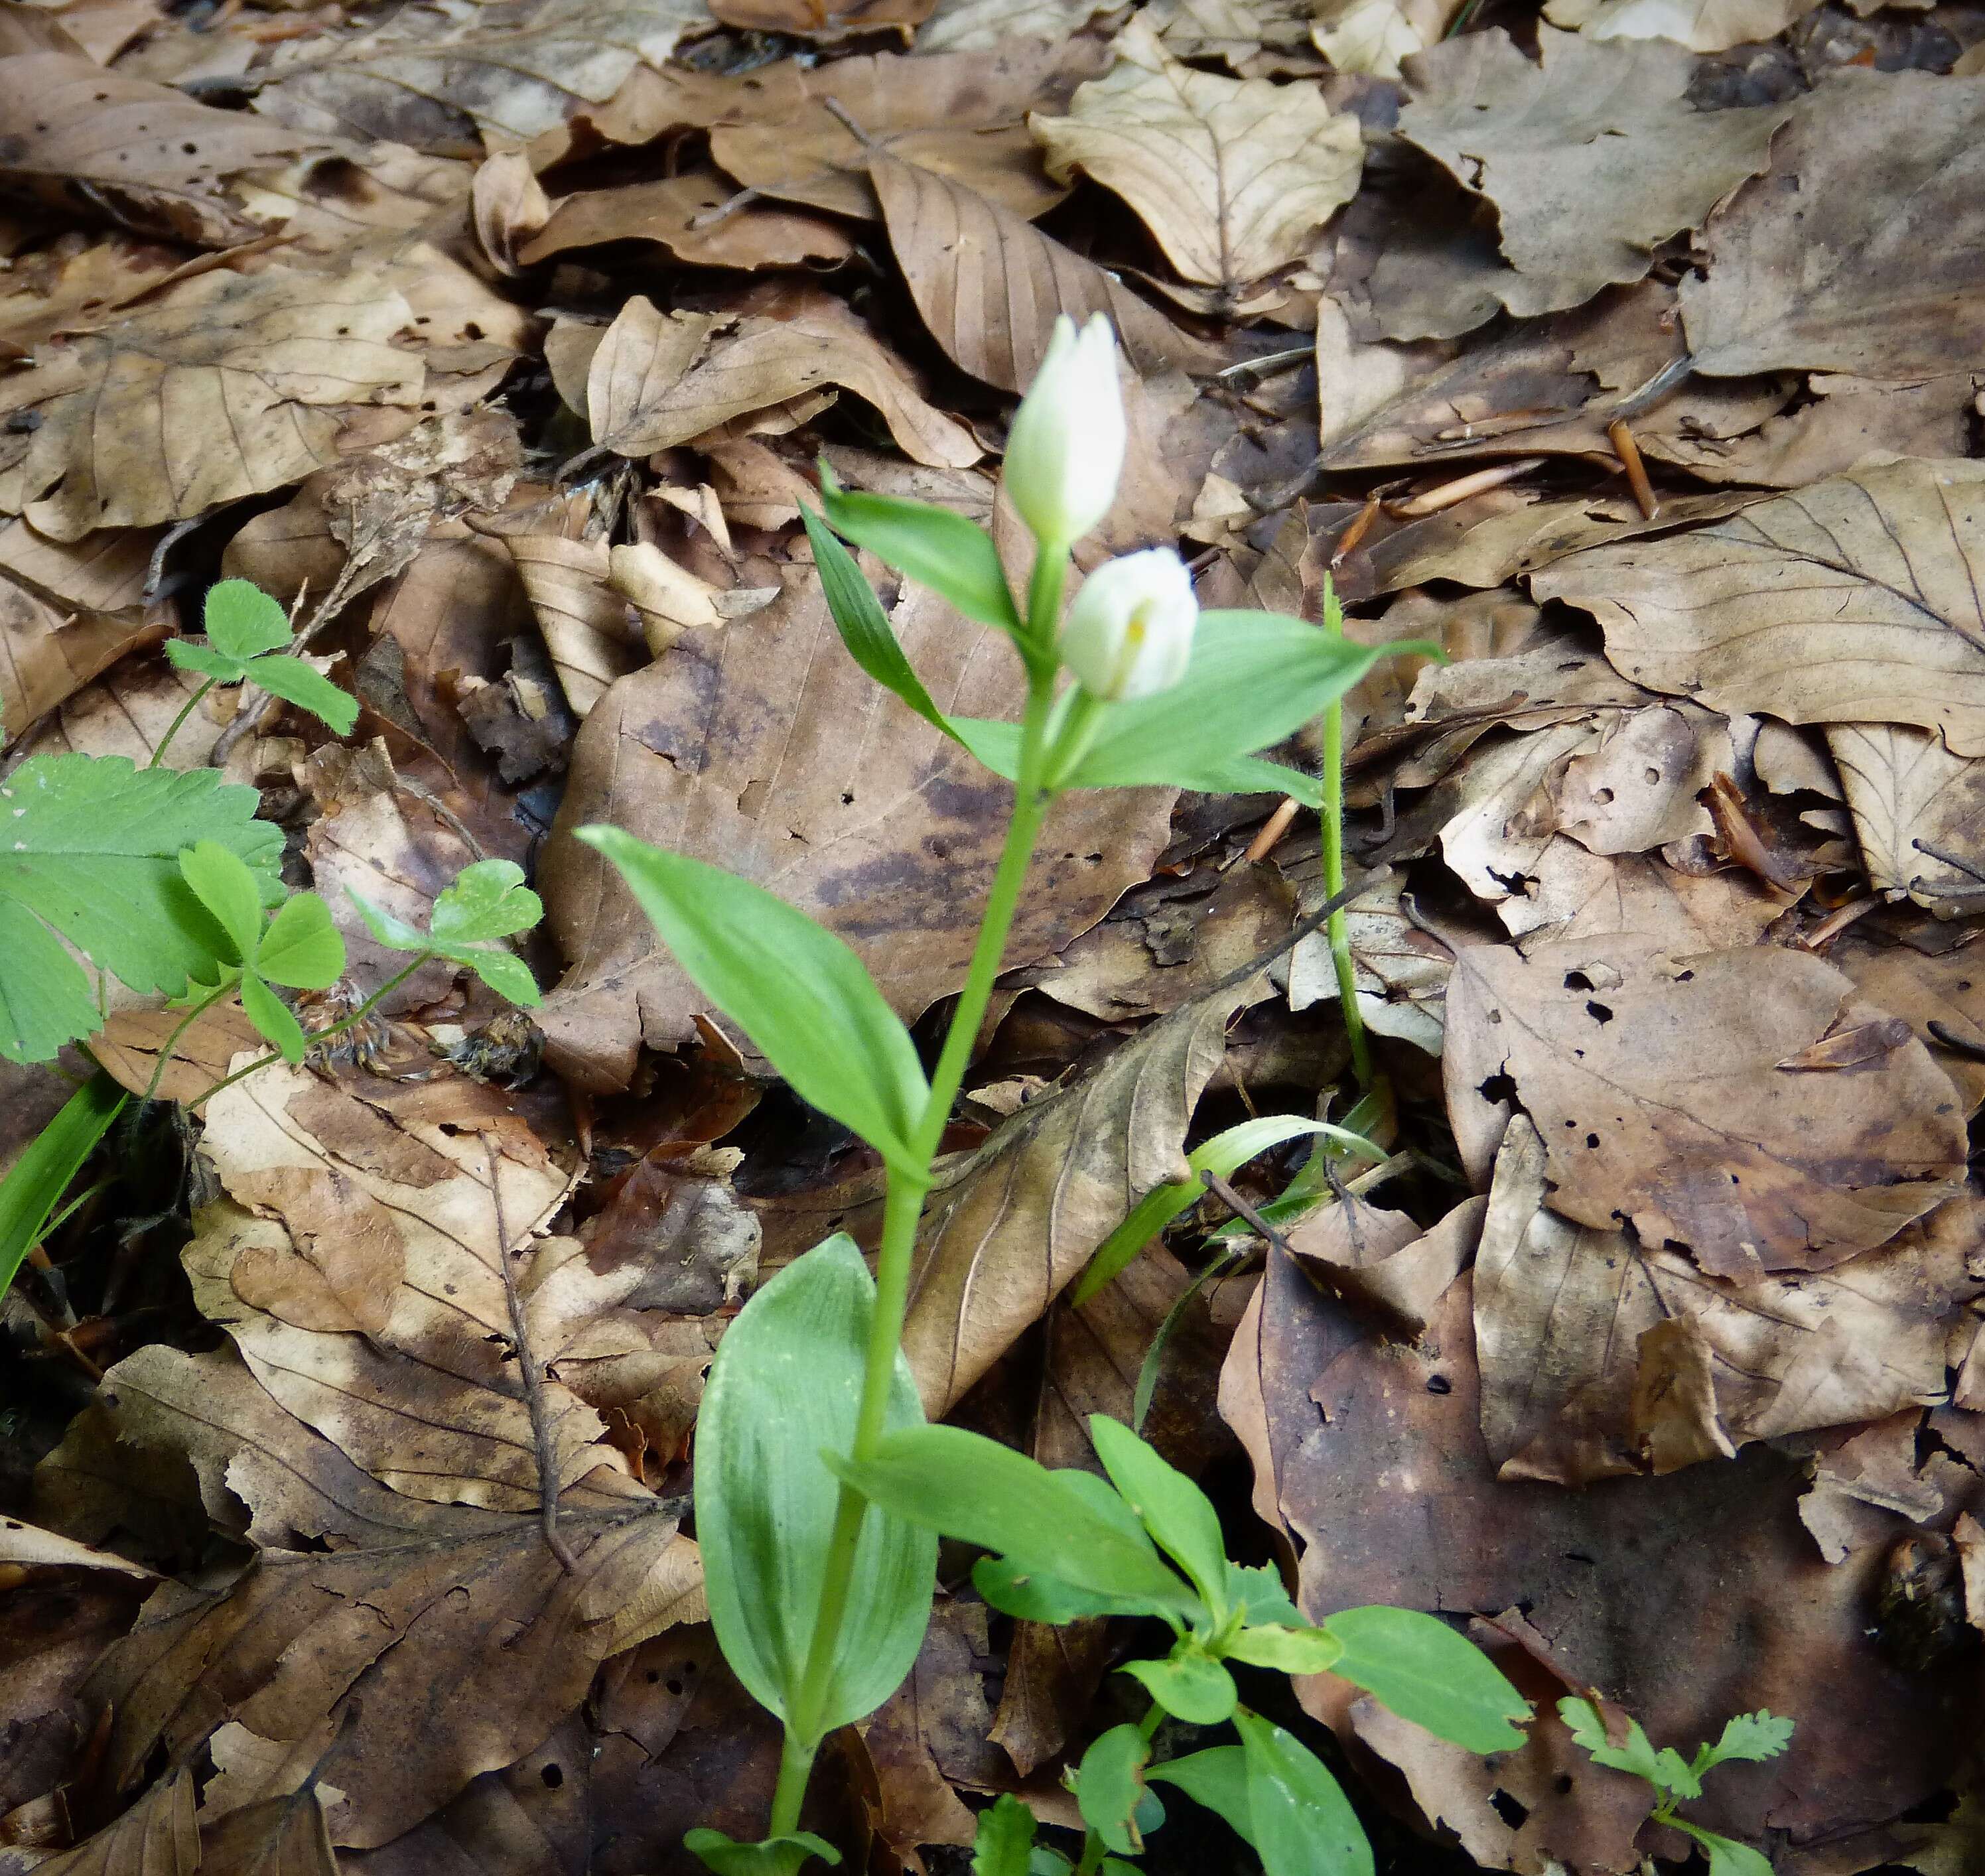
x=246, y=634
x=1754, y=1737
x=488, y=903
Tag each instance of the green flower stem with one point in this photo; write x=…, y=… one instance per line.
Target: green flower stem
x=179, y=723
x=795, y=1766
x=1337, y=930
x=185, y=1022
x=320, y=1035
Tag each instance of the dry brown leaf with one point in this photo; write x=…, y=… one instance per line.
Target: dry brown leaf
x=990, y=286
x=1233, y=177
x=1400, y=969
x=828, y=20
x=234, y=385
x=22, y=1543
x=1253, y=37
x=807, y=778
x=1574, y=893
x=1905, y=788
x=1380, y=1263
x=156, y=1836
x=438, y=76
x=508, y=206
x=102, y=572
x=143, y=154
x=1372, y=36
x=1850, y=602
x=1561, y=1311
x=1656, y=1085
x=284, y=1836
x=47, y=655
x=128, y=1046
x=1007, y=1230
x=1702, y=25
x=1637, y=791
x=961, y=116
x=692, y=217
x=766, y=363
x=1592, y=156
x=992, y=25
x=1944, y=986
x=584, y=619
x=1893, y=288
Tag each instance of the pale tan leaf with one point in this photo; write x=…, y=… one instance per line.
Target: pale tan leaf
x=670, y=600
x=1399, y=969
x=1575, y=893
x=127, y=1049
x=1232, y=176
x=990, y=25
x=643, y=356
x=1944, y=986
x=1637, y=791
x=963, y=116
x=698, y=217
x=1854, y=601
x=1702, y=25
x=1656, y=1085
x=805, y=776
x=990, y=286
x=46, y=656
x=436, y=75
x=766, y=362
x=104, y=572
x=1592, y=156
x=1893, y=289
x=584, y=620
x=1252, y=37
x=507, y=205
x=1007, y=1230
x=234, y=385
x=1561, y=1311
x=147, y=155
x=1904, y=788
x=1372, y=36
x=26, y=1543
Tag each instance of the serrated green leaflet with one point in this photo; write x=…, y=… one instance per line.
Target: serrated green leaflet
x=89, y=848
x=795, y=989
x=1004, y=1844
x=787, y=1377
x=1425, y=1673
x=242, y=621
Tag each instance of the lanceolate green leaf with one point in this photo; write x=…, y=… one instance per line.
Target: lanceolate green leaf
x=229, y=890
x=773, y=1856
x=37, y=1180
x=307, y=687
x=1425, y=1673
x=864, y=627
x=970, y=1487
x=788, y=1378
x=1304, y=1825
x=1216, y=1778
x=795, y=989
x=1169, y=1504
x=89, y=847
x=934, y=546
x=272, y=1016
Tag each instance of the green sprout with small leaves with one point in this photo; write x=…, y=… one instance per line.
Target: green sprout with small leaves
x=1749, y=1736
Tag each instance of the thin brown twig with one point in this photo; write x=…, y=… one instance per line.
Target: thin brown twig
x=1242, y=1209
x=533, y=1377
x=1449, y=495
x=1270, y=832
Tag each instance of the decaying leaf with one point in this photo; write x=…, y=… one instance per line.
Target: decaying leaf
x=1592, y=155
x=691, y=216
x=1232, y=176
x=1656, y=1083
x=1850, y=602
x=808, y=778
x=1908, y=793
x=1372, y=36
x=234, y=385
x=1702, y=25
x=47, y=656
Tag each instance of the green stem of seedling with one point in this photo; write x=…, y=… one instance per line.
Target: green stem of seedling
x=185, y=1022
x=1337, y=930
x=179, y=723
x=908, y=1183
x=320, y=1035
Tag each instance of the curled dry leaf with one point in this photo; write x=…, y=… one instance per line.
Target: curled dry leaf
x=439, y=76
x=1852, y=601
x=990, y=286
x=763, y=747
x=1893, y=289
x=1702, y=25
x=47, y=655
x=1575, y=1386
x=256, y=371
x=143, y=154
x=992, y=25
x=1232, y=176
x=508, y=206
x=693, y=217
x=961, y=115
x=1008, y=1229
x=1592, y=155
x=583, y=618
x=156, y=1836
x=1657, y=1084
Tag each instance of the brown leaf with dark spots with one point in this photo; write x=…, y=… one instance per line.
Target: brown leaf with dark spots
x=1655, y=1083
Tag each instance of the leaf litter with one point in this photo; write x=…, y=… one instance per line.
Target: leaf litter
x=1630, y=356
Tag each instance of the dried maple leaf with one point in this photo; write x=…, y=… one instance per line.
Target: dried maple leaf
x=232, y=385
x=762, y=746
x=144, y=154
x=1232, y=176
x=1657, y=1085
x=1852, y=601
x=1891, y=286
x=1592, y=156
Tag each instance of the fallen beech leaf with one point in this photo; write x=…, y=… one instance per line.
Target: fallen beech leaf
x=508, y=206
x=29, y=1544
x=1232, y=176
x=1904, y=787
x=1561, y=1311
x=104, y=572
x=584, y=619
x=127, y=1049
x=156, y=1836
x=436, y=75
x=1400, y=969
x=940, y=1709
x=1008, y=1230
x=1381, y=1263
x=961, y=116
x=680, y=213
x=1944, y=986
x=1894, y=289
x=807, y=779
x=990, y=286
x=765, y=362
x=670, y=600
x=47, y=656
x=1849, y=601
x=1637, y=791
x=1577, y=893
x=637, y=361
x=143, y=154
x=1654, y=1082
x=283, y=1836
x=1702, y=25
x=1372, y=36
x=1592, y=156
x=991, y=25
x=255, y=369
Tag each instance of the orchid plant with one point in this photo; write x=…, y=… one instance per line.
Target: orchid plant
x=820, y=1491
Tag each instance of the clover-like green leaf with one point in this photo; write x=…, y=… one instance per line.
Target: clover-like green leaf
x=245, y=631
x=485, y=904
x=301, y=947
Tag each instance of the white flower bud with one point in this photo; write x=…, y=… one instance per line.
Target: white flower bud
x=1130, y=631
x=1065, y=452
